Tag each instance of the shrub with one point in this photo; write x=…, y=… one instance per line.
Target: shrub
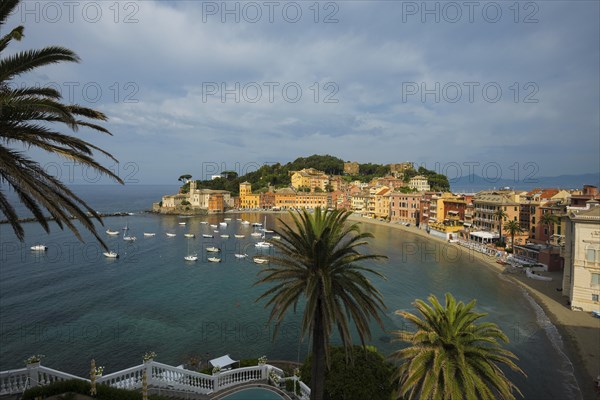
x=83, y=387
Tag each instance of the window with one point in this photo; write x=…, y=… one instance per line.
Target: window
x=595, y=298
x=592, y=254
x=595, y=279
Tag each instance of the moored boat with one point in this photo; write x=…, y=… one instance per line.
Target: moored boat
x=149, y=234
x=214, y=259
x=111, y=232
x=189, y=235
x=171, y=234
x=206, y=235
x=39, y=247
x=110, y=254
x=259, y=260
x=213, y=249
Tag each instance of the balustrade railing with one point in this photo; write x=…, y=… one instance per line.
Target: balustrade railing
x=158, y=375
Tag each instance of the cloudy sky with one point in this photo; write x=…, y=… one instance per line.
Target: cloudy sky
x=197, y=87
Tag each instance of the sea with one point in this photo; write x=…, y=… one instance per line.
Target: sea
x=72, y=304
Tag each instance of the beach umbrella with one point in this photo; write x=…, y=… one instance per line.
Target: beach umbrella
x=93, y=378
x=144, y=386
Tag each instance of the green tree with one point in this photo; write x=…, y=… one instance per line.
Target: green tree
x=29, y=117
x=548, y=220
x=513, y=228
x=368, y=376
x=319, y=260
x=451, y=356
x=185, y=178
x=500, y=214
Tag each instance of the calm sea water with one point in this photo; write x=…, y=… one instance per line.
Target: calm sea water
x=72, y=304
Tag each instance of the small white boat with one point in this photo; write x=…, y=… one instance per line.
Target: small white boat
x=256, y=234
x=213, y=249
x=223, y=223
x=263, y=245
x=244, y=222
x=189, y=235
x=205, y=235
x=277, y=237
x=239, y=236
x=225, y=236
x=191, y=257
x=182, y=223
x=171, y=234
x=227, y=219
x=214, y=259
x=257, y=224
x=259, y=260
x=238, y=219
x=216, y=231
x=39, y=247
x=241, y=255
x=149, y=234
x=110, y=254
x=126, y=237
x=214, y=226
x=112, y=233
x=203, y=222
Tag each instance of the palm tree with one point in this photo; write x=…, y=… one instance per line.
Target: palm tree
x=548, y=219
x=500, y=214
x=320, y=261
x=513, y=228
x=450, y=356
x=27, y=118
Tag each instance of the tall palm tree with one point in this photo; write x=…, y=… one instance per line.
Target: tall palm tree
x=548, y=219
x=513, y=228
x=319, y=261
x=450, y=356
x=28, y=118
x=500, y=214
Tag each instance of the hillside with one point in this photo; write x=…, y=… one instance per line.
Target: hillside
x=278, y=174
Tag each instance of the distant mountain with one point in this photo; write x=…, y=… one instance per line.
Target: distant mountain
x=475, y=183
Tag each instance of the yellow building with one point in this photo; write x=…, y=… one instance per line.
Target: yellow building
x=382, y=203
x=285, y=199
x=311, y=200
x=247, y=198
x=581, y=252
x=309, y=178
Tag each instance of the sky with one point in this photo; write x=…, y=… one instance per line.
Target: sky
x=504, y=88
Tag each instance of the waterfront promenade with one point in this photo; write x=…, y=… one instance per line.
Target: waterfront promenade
x=580, y=331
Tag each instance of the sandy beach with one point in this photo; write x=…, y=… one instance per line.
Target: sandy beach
x=580, y=331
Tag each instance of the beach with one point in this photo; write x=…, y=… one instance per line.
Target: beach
x=580, y=331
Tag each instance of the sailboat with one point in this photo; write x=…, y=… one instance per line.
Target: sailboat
x=265, y=230
x=110, y=254
x=126, y=236
x=190, y=256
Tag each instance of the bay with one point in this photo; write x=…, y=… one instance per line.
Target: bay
x=73, y=304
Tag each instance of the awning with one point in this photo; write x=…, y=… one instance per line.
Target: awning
x=222, y=362
x=453, y=212
x=484, y=235
x=467, y=224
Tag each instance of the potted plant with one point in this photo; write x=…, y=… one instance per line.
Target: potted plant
x=149, y=356
x=99, y=371
x=216, y=370
x=34, y=360
x=262, y=360
x=273, y=377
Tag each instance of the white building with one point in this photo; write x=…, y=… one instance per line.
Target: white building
x=581, y=252
x=419, y=182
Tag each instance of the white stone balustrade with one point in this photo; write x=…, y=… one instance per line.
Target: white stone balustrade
x=158, y=375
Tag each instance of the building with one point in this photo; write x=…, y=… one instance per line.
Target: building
x=404, y=207
x=309, y=178
x=419, y=183
x=248, y=200
x=401, y=167
x=199, y=199
x=488, y=202
x=351, y=168
x=285, y=198
x=381, y=199
x=311, y=200
x=581, y=253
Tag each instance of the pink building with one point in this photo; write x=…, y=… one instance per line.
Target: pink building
x=404, y=207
